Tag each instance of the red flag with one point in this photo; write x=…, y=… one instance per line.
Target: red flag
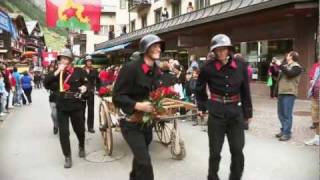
x=48, y=57
x=74, y=14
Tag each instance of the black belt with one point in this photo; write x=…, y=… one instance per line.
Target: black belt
x=72, y=95
x=225, y=99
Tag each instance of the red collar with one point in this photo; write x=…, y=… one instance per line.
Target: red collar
x=145, y=68
x=70, y=70
x=231, y=64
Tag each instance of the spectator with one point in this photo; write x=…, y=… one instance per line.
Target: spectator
x=3, y=96
x=313, y=69
x=18, y=89
x=190, y=7
x=311, y=76
x=124, y=30
x=12, y=82
x=167, y=79
x=165, y=14
x=7, y=85
x=193, y=62
x=314, y=92
x=287, y=92
x=273, y=72
x=26, y=84
x=111, y=34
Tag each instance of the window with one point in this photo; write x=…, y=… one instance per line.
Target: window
x=1, y=31
x=176, y=9
x=122, y=4
x=104, y=30
x=132, y=25
x=259, y=54
x=144, y=21
x=202, y=3
x=157, y=15
x=1, y=43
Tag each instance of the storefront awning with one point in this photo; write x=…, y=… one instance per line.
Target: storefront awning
x=114, y=48
x=7, y=25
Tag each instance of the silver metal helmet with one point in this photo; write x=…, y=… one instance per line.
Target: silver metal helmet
x=220, y=40
x=149, y=40
x=66, y=53
x=88, y=58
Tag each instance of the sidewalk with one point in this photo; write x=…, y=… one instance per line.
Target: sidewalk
x=265, y=121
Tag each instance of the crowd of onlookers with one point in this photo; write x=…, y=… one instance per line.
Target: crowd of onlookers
x=16, y=88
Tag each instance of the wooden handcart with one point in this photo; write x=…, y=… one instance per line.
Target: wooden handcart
x=166, y=126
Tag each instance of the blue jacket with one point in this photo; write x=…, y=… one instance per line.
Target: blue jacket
x=26, y=82
x=17, y=76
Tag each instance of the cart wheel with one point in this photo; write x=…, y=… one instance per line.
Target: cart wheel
x=178, y=151
x=163, y=132
x=106, y=130
x=102, y=126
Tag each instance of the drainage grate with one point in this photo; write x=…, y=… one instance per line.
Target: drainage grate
x=100, y=157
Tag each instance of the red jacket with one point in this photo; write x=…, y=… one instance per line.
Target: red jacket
x=313, y=70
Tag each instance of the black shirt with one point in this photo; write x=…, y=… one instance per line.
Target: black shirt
x=93, y=79
x=77, y=79
x=135, y=81
x=225, y=80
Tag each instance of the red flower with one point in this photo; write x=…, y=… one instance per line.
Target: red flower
x=104, y=91
x=66, y=86
x=168, y=92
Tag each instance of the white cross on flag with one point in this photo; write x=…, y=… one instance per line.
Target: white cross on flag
x=48, y=57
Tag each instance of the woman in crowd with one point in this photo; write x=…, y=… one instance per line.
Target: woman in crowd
x=26, y=83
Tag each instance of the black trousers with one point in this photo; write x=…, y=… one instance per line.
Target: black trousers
x=138, y=138
x=28, y=95
x=273, y=88
x=77, y=122
x=90, y=115
x=226, y=119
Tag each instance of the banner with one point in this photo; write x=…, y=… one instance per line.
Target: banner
x=74, y=14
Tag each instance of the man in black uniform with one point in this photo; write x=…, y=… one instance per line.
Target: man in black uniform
x=71, y=85
x=93, y=77
x=229, y=105
x=131, y=93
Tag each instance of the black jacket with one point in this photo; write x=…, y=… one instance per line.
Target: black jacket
x=167, y=79
x=77, y=79
x=228, y=80
x=93, y=79
x=134, y=85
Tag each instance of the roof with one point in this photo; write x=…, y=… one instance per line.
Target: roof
x=31, y=25
x=211, y=13
x=20, y=24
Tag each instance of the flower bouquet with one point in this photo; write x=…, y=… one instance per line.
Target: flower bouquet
x=156, y=98
x=104, y=92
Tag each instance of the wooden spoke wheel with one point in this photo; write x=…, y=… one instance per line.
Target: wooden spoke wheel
x=106, y=128
x=163, y=132
x=178, y=150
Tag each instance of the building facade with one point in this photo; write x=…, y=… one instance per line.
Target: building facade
x=259, y=29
